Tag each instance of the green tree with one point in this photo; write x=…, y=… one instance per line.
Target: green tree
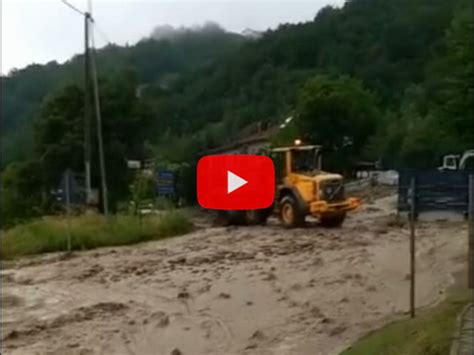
x=339, y=114
x=125, y=124
x=457, y=112
x=59, y=133
x=20, y=195
x=435, y=117
x=142, y=189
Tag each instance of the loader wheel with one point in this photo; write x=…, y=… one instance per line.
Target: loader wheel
x=333, y=221
x=255, y=217
x=290, y=215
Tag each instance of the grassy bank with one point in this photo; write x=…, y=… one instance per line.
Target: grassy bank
x=88, y=232
x=430, y=333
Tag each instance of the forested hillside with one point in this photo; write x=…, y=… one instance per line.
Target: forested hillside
x=376, y=79
x=159, y=59
x=403, y=51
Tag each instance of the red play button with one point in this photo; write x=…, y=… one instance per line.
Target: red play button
x=235, y=182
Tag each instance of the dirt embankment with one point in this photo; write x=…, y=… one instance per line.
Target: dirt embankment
x=247, y=290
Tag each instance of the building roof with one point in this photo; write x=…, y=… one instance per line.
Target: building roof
x=251, y=134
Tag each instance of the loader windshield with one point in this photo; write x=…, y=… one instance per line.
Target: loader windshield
x=305, y=161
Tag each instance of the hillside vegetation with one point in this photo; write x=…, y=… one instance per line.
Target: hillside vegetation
x=156, y=60
x=374, y=79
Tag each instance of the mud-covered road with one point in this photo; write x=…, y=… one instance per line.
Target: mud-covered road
x=227, y=290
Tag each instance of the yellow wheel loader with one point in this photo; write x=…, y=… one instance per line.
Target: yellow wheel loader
x=302, y=189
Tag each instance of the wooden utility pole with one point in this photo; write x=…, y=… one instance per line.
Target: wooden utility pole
x=470, y=270
x=412, y=245
x=87, y=112
x=87, y=20
x=103, y=176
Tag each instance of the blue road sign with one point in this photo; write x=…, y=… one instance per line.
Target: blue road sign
x=70, y=183
x=165, y=183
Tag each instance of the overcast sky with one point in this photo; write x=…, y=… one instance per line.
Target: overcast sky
x=38, y=31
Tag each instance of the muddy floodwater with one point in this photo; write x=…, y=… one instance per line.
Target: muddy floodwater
x=229, y=290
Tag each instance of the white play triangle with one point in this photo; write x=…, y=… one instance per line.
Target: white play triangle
x=234, y=182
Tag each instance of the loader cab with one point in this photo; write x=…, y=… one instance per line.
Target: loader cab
x=305, y=160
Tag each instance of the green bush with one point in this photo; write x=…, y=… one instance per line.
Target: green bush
x=172, y=224
x=163, y=203
x=88, y=232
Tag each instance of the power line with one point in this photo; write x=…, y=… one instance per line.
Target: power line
x=101, y=33
x=96, y=27
x=74, y=8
